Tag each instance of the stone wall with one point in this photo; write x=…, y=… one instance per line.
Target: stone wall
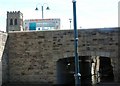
x=33, y=55
x=3, y=37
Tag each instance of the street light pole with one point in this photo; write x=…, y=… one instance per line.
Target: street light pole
x=70, y=22
x=47, y=8
x=42, y=12
x=42, y=8
x=42, y=16
x=77, y=69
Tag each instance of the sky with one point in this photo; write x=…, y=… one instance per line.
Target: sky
x=90, y=13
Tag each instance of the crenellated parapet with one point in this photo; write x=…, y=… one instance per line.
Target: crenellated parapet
x=11, y=12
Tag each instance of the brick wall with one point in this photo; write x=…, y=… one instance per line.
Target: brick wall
x=33, y=55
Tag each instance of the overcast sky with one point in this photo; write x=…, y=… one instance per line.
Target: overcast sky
x=90, y=13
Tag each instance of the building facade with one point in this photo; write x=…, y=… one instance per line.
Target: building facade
x=14, y=21
x=42, y=24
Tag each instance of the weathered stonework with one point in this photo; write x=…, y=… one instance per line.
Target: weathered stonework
x=3, y=38
x=33, y=55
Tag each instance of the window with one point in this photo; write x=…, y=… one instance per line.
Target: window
x=15, y=21
x=11, y=21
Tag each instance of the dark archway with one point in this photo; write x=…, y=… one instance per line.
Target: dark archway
x=106, y=70
x=65, y=71
x=66, y=68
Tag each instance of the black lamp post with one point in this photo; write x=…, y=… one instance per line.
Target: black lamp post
x=42, y=8
x=77, y=69
x=70, y=22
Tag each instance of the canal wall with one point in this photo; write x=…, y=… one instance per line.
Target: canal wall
x=31, y=56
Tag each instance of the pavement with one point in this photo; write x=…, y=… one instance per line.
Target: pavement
x=100, y=84
x=27, y=84
x=108, y=84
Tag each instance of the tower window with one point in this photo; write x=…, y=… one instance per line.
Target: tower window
x=15, y=21
x=11, y=21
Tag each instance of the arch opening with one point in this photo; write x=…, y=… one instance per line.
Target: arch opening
x=66, y=71
x=93, y=69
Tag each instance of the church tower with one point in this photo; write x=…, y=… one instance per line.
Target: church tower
x=14, y=21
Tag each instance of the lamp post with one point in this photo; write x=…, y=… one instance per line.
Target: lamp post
x=70, y=22
x=42, y=8
x=77, y=69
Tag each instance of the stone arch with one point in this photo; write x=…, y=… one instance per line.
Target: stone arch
x=66, y=70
